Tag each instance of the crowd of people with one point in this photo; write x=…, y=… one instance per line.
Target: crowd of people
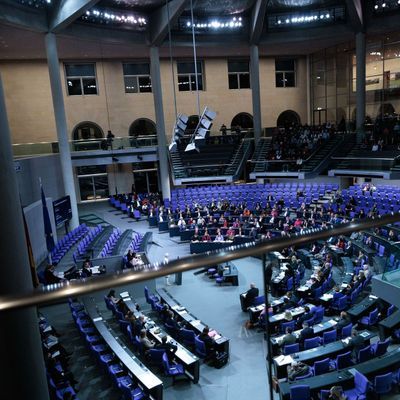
x=297, y=142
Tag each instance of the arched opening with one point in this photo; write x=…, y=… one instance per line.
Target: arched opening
x=386, y=110
x=142, y=127
x=87, y=130
x=193, y=120
x=288, y=118
x=243, y=120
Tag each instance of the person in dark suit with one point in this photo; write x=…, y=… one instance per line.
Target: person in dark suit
x=208, y=341
x=306, y=316
x=268, y=274
x=138, y=325
x=168, y=347
x=306, y=333
x=344, y=320
x=251, y=294
x=356, y=343
x=50, y=276
x=289, y=338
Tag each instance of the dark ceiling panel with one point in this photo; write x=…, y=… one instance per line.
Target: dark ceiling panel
x=282, y=5
x=138, y=5
x=220, y=7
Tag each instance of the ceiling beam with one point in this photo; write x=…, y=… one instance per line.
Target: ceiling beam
x=158, y=24
x=23, y=17
x=67, y=12
x=356, y=15
x=257, y=21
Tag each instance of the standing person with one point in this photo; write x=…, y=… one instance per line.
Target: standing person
x=110, y=138
x=268, y=276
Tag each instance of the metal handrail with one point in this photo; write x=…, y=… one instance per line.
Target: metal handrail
x=55, y=292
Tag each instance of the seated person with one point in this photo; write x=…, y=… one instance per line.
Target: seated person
x=208, y=341
x=306, y=316
x=288, y=338
x=50, y=276
x=206, y=237
x=86, y=271
x=250, y=295
x=336, y=393
x=168, y=347
x=306, y=333
x=286, y=305
x=145, y=341
x=297, y=369
x=230, y=234
x=356, y=343
x=219, y=237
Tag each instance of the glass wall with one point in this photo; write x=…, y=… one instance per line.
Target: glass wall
x=334, y=79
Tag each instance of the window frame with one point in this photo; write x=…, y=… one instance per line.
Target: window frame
x=237, y=75
x=284, y=72
x=81, y=78
x=191, y=76
x=137, y=77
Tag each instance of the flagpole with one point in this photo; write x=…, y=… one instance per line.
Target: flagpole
x=48, y=231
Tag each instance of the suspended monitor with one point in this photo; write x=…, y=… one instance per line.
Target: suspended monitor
x=201, y=133
x=173, y=147
x=184, y=118
x=62, y=210
x=192, y=147
x=210, y=114
x=181, y=125
x=206, y=123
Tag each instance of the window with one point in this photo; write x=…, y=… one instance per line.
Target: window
x=238, y=75
x=285, y=73
x=81, y=79
x=187, y=76
x=137, y=78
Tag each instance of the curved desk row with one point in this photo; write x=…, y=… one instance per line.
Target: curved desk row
x=310, y=356
x=146, y=380
x=222, y=343
x=345, y=377
x=190, y=362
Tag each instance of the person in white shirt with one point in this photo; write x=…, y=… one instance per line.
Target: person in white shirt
x=219, y=237
x=181, y=223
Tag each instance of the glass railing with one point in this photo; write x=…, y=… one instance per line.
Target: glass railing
x=118, y=143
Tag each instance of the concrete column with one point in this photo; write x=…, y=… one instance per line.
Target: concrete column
x=159, y=111
x=309, y=119
x=61, y=124
x=360, y=89
x=255, y=91
x=21, y=355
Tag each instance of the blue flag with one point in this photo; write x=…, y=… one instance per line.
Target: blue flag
x=47, y=225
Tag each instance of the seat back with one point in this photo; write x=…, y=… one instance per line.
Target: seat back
x=383, y=383
x=311, y=343
x=300, y=392
x=346, y=330
x=200, y=347
x=364, y=354
x=329, y=336
x=344, y=360
x=321, y=367
x=156, y=356
x=373, y=316
x=381, y=347
x=291, y=348
x=285, y=325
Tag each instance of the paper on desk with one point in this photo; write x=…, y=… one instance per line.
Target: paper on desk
x=195, y=322
x=284, y=360
x=124, y=294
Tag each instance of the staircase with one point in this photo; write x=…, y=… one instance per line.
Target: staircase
x=260, y=154
x=322, y=157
